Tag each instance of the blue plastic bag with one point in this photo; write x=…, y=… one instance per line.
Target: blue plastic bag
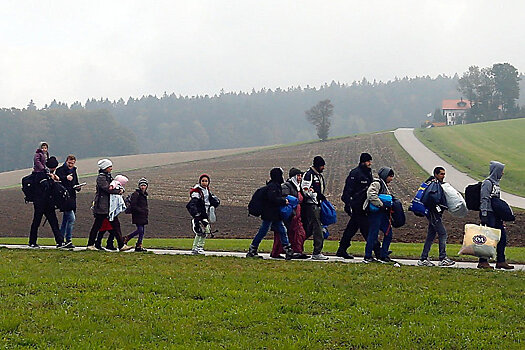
x=287, y=210
x=328, y=213
x=385, y=198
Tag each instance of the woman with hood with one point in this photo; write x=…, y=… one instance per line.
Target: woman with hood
x=380, y=219
x=273, y=200
x=490, y=189
x=40, y=158
x=294, y=225
x=201, y=200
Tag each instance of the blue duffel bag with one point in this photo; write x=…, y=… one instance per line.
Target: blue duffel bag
x=417, y=206
x=385, y=198
x=328, y=213
x=287, y=210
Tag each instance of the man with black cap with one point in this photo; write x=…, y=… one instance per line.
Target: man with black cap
x=313, y=186
x=44, y=205
x=354, y=196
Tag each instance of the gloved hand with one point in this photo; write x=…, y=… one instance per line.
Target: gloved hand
x=484, y=220
x=348, y=210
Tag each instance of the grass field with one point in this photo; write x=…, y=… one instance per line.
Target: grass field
x=471, y=147
x=400, y=250
x=55, y=299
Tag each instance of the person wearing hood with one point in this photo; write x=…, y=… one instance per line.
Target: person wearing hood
x=273, y=200
x=313, y=186
x=379, y=220
x=354, y=196
x=294, y=225
x=201, y=200
x=44, y=204
x=101, y=205
x=490, y=189
x=40, y=158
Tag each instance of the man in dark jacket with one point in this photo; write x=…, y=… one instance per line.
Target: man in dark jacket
x=67, y=173
x=44, y=205
x=271, y=215
x=436, y=203
x=101, y=205
x=354, y=196
x=313, y=186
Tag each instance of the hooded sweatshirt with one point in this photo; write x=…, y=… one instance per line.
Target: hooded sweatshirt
x=490, y=186
x=377, y=187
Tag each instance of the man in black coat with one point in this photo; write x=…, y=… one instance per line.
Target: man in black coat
x=354, y=195
x=271, y=215
x=67, y=173
x=44, y=205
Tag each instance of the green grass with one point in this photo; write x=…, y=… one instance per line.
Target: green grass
x=56, y=299
x=400, y=250
x=471, y=147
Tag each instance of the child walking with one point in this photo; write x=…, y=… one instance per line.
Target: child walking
x=139, y=213
x=201, y=207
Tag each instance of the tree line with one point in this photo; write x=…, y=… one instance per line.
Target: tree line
x=173, y=122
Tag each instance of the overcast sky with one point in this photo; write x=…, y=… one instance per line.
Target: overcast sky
x=75, y=50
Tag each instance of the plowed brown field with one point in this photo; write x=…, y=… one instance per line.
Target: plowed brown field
x=234, y=179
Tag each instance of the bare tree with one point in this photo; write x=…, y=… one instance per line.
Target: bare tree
x=320, y=115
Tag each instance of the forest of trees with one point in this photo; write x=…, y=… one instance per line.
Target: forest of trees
x=180, y=123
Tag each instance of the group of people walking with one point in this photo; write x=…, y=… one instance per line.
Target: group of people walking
x=367, y=200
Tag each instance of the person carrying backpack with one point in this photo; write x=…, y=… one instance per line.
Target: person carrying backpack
x=380, y=218
x=273, y=199
x=44, y=205
x=354, y=196
x=436, y=203
x=490, y=189
x=139, y=213
x=200, y=206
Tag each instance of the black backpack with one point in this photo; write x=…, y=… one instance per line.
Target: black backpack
x=473, y=196
x=28, y=187
x=255, y=207
x=61, y=197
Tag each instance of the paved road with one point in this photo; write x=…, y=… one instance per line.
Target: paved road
x=429, y=160
x=123, y=163
x=461, y=265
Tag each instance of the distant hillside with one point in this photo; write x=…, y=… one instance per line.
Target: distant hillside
x=471, y=147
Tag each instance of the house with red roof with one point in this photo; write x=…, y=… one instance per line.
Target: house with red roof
x=455, y=111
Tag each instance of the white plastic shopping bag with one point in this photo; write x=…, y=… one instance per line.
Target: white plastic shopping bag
x=455, y=201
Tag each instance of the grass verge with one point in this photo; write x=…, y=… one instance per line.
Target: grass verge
x=55, y=299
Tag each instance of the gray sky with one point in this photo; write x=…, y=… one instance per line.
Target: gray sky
x=75, y=50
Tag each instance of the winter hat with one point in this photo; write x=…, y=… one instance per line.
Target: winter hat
x=42, y=143
x=385, y=172
x=276, y=174
x=293, y=172
x=104, y=164
x=143, y=181
x=318, y=162
x=122, y=179
x=52, y=162
x=204, y=175
x=365, y=157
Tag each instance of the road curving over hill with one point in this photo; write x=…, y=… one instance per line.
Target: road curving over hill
x=428, y=160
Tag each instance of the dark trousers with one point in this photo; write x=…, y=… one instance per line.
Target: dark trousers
x=99, y=218
x=49, y=212
x=378, y=221
x=435, y=226
x=313, y=227
x=495, y=222
x=358, y=221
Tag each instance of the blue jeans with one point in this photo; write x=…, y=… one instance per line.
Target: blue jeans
x=435, y=226
x=263, y=230
x=68, y=222
x=378, y=221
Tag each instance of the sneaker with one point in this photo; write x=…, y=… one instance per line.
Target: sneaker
x=370, y=260
x=140, y=249
x=300, y=256
x=343, y=254
x=98, y=247
x=91, y=247
x=200, y=250
x=446, y=262
x=319, y=256
x=425, y=262
x=388, y=260
x=125, y=247
x=252, y=252
x=68, y=245
x=61, y=245
x=111, y=248
x=196, y=226
x=34, y=246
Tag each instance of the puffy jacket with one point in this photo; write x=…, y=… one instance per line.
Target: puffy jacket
x=356, y=185
x=273, y=200
x=139, y=207
x=39, y=161
x=101, y=205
